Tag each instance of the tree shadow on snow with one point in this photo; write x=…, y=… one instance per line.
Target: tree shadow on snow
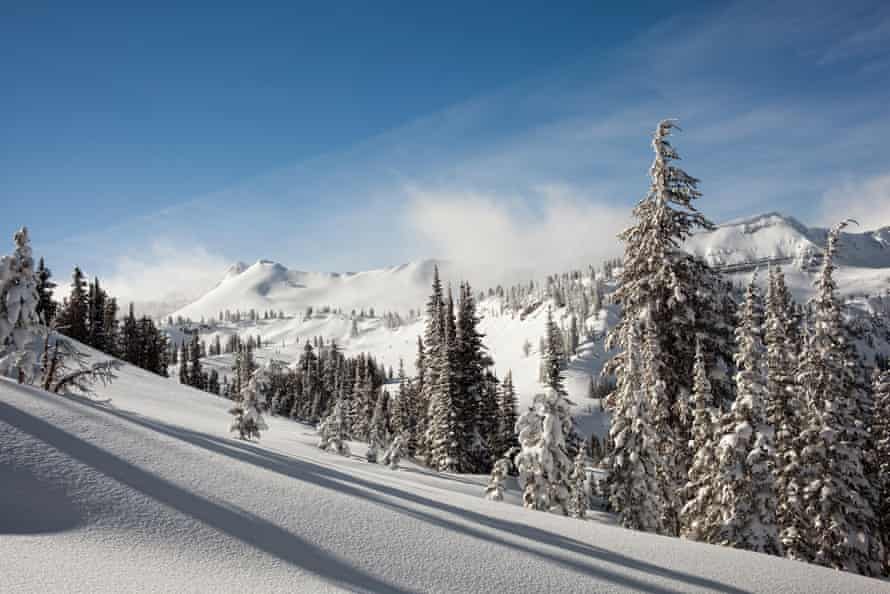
x=29, y=505
x=340, y=482
x=231, y=520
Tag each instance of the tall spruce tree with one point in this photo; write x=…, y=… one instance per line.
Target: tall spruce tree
x=881, y=434
x=507, y=416
x=632, y=487
x=20, y=325
x=836, y=498
x=445, y=452
x=195, y=372
x=682, y=298
x=428, y=361
x=783, y=412
x=744, y=477
x=46, y=307
x=74, y=315
x=700, y=516
x=543, y=463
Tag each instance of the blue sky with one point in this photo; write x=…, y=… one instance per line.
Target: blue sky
x=162, y=142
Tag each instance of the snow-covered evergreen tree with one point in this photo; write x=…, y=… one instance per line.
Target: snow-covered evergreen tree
x=783, y=412
x=633, y=461
x=475, y=396
x=46, y=307
x=669, y=473
x=881, y=436
x=837, y=498
x=73, y=322
x=499, y=473
x=507, y=416
x=20, y=326
x=542, y=461
x=332, y=431
x=677, y=294
x=377, y=430
x=248, y=420
x=744, y=478
x=553, y=362
x=394, y=453
x=445, y=452
x=700, y=516
x=578, y=496
x=428, y=362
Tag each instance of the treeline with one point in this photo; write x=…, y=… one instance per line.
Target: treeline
x=90, y=315
x=455, y=415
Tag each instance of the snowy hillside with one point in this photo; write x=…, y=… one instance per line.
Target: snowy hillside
x=505, y=335
x=150, y=494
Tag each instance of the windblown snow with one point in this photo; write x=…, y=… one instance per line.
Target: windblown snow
x=148, y=493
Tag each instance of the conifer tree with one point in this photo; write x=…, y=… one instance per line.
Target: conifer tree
x=393, y=455
x=46, y=307
x=499, y=473
x=744, y=477
x=700, y=516
x=444, y=449
x=74, y=315
x=333, y=432
x=837, y=497
x=553, y=357
x=542, y=461
x=578, y=499
x=428, y=360
x=633, y=461
x=195, y=372
x=20, y=327
x=881, y=435
x=377, y=431
x=680, y=296
x=507, y=416
x=183, y=365
x=783, y=412
x=669, y=453
x=248, y=420
x=96, y=336
x=476, y=395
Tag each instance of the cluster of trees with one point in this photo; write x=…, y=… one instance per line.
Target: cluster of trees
x=29, y=349
x=90, y=316
x=758, y=429
x=454, y=415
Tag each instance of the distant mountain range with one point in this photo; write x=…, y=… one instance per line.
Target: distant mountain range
x=736, y=246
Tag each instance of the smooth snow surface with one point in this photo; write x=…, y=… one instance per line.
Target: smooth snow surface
x=150, y=494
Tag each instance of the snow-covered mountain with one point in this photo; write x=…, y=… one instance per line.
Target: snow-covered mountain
x=773, y=236
x=740, y=244
x=268, y=285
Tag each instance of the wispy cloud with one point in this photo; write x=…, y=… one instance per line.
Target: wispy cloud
x=867, y=201
x=167, y=273
x=497, y=238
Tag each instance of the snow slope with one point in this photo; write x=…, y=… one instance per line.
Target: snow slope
x=149, y=494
